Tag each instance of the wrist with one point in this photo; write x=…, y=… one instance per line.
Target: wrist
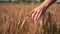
x=45, y=4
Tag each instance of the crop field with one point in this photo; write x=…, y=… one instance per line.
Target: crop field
x=15, y=19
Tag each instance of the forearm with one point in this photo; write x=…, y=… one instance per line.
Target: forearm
x=47, y=3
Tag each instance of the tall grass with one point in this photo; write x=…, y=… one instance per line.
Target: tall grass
x=15, y=20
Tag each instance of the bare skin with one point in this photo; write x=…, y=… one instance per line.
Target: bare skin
x=40, y=10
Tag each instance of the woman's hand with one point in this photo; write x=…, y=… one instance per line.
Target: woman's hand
x=38, y=12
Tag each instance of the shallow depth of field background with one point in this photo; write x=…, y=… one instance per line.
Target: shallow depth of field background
x=12, y=15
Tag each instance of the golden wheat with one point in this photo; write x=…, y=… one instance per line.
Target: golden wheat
x=15, y=19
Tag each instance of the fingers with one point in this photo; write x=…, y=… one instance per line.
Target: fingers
x=32, y=11
x=33, y=14
x=35, y=18
x=36, y=14
x=39, y=15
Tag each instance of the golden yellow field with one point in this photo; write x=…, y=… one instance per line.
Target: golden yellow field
x=14, y=20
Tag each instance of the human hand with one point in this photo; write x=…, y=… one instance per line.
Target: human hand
x=38, y=12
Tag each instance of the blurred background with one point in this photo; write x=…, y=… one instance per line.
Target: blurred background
x=24, y=0
x=14, y=20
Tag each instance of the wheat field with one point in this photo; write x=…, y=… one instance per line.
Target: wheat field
x=15, y=19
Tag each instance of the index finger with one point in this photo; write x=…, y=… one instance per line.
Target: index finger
x=32, y=11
